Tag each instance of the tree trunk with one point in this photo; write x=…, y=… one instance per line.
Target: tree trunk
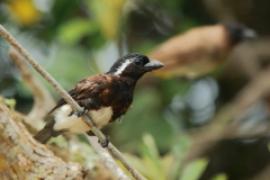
x=21, y=157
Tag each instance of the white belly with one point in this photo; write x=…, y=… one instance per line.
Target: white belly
x=76, y=125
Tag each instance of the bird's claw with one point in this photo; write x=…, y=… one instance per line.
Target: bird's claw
x=104, y=143
x=81, y=113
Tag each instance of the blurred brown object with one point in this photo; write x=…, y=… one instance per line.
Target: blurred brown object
x=199, y=50
x=244, y=64
x=253, y=13
x=249, y=59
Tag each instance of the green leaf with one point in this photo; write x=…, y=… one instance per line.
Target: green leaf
x=194, y=170
x=10, y=102
x=220, y=177
x=150, y=146
x=151, y=158
x=72, y=31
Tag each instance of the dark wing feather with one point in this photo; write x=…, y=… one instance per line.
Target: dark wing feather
x=86, y=89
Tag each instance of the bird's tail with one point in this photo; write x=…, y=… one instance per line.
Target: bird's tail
x=46, y=133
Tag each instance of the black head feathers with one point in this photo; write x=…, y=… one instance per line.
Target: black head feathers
x=239, y=32
x=134, y=65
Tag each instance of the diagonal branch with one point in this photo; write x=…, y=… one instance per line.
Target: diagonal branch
x=107, y=159
x=113, y=150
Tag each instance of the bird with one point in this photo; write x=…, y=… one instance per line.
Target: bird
x=105, y=97
x=199, y=50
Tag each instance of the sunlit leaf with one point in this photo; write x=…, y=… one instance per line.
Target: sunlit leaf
x=220, y=177
x=150, y=145
x=108, y=15
x=194, y=170
x=150, y=163
x=167, y=163
x=10, y=102
x=152, y=159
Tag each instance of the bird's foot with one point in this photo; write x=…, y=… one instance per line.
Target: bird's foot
x=81, y=113
x=104, y=143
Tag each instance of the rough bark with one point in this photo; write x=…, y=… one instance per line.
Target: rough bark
x=21, y=157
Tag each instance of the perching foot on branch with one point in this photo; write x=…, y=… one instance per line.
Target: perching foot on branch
x=81, y=113
x=105, y=142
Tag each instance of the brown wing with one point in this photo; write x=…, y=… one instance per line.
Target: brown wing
x=86, y=91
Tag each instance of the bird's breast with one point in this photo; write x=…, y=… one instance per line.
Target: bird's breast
x=65, y=120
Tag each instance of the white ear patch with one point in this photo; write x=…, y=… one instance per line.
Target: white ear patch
x=122, y=67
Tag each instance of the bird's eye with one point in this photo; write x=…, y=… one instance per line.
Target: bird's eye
x=138, y=62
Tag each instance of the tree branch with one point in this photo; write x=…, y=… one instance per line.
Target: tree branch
x=113, y=150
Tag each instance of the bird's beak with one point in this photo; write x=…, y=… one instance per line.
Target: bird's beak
x=249, y=34
x=153, y=65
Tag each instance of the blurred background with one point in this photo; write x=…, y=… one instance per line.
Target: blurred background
x=214, y=125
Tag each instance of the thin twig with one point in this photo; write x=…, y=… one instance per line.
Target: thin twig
x=113, y=150
x=43, y=101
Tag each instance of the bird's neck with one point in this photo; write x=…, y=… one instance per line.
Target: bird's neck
x=129, y=81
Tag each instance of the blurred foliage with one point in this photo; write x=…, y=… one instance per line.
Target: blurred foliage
x=194, y=170
x=108, y=14
x=128, y=132
x=24, y=12
x=160, y=167
x=220, y=177
x=11, y=103
x=77, y=64
x=71, y=32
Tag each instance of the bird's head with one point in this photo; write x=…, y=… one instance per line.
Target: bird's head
x=238, y=32
x=134, y=66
